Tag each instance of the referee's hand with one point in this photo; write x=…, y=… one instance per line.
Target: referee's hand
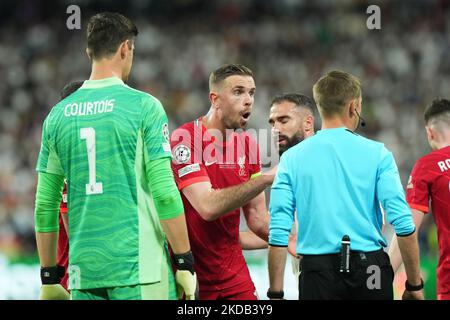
x=292, y=245
x=413, y=295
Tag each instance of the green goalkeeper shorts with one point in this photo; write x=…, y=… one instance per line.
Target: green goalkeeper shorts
x=163, y=290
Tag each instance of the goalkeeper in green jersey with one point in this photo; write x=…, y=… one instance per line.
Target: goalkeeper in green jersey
x=111, y=143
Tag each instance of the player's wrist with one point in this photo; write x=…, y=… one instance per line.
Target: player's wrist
x=275, y=294
x=415, y=287
x=184, y=261
x=52, y=275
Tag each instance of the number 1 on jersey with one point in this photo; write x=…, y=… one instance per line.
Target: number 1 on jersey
x=92, y=187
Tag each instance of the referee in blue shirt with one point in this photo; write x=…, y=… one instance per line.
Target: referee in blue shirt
x=337, y=183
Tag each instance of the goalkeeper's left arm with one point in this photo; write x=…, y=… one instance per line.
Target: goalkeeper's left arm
x=48, y=198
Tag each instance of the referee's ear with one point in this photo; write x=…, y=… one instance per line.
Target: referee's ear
x=352, y=105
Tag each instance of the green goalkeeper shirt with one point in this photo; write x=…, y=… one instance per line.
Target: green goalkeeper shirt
x=101, y=138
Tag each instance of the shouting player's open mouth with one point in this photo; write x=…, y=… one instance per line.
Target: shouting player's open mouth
x=245, y=116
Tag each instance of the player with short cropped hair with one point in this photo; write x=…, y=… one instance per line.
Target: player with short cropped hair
x=429, y=182
x=111, y=143
x=292, y=119
x=214, y=187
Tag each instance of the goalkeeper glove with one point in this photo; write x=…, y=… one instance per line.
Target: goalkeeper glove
x=185, y=277
x=51, y=288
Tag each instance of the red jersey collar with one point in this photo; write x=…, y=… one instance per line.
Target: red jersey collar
x=227, y=143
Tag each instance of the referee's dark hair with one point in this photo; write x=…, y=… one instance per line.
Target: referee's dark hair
x=438, y=111
x=106, y=31
x=299, y=100
x=70, y=88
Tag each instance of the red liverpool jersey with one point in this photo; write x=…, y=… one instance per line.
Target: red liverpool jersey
x=62, y=258
x=219, y=262
x=430, y=180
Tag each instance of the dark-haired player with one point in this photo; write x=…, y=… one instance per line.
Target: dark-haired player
x=430, y=181
x=111, y=143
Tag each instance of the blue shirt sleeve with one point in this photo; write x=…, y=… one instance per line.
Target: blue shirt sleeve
x=282, y=206
x=390, y=194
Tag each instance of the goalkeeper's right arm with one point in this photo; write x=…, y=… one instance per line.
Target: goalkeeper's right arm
x=170, y=209
x=48, y=197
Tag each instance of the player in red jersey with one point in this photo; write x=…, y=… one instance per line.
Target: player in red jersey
x=62, y=258
x=62, y=255
x=430, y=180
x=218, y=171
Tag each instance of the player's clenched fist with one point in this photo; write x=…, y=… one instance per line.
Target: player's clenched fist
x=53, y=292
x=185, y=276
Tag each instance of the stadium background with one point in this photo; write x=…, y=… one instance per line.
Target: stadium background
x=287, y=43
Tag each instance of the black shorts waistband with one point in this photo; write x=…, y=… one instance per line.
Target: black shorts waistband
x=352, y=253
x=358, y=259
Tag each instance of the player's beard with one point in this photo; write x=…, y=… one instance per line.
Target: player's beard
x=290, y=141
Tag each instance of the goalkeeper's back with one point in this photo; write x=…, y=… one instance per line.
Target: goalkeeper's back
x=100, y=139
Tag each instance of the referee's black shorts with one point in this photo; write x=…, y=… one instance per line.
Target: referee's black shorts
x=370, y=277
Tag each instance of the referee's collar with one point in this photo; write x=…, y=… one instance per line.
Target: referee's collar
x=106, y=82
x=331, y=130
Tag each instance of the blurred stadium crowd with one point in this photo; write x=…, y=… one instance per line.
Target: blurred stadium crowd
x=287, y=43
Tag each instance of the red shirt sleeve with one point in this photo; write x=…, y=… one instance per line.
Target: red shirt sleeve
x=187, y=157
x=63, y=205
x=417, y=190
x=254, y=158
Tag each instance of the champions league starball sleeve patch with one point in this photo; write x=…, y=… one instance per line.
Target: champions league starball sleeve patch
x=165, y=131
x=181, y=154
